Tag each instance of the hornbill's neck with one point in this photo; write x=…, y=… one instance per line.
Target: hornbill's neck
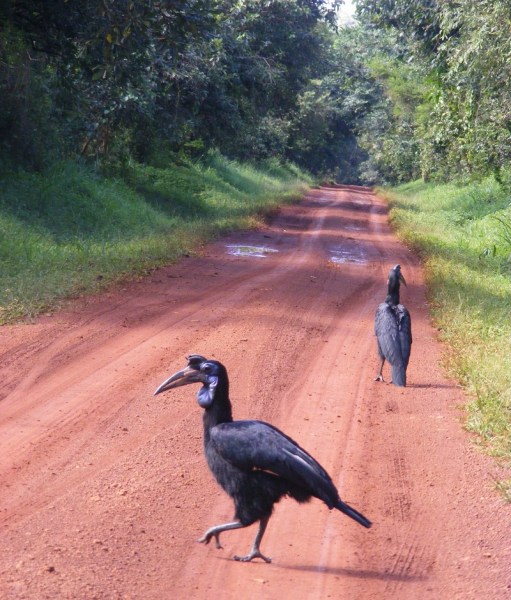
x=393, y=298
x=220, y=410
x=393, y=291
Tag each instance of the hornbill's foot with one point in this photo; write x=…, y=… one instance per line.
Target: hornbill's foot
x=253, y=554
x=216, y=531
x=206, y=538
x=379, y=378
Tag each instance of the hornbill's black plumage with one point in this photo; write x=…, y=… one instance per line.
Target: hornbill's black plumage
x=254, y=462
x=393, y=329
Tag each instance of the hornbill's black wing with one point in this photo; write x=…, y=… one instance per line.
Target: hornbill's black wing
x=254, y=445
x=405, y=332
x=386, y=328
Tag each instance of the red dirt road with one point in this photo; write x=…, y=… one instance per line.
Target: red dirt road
x=105, y=489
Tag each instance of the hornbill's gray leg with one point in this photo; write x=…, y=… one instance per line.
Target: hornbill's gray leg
x=379, y=377
x=255, y=552
x=217, y=530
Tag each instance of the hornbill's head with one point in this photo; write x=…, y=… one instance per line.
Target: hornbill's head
x=395, y=276
x=199, y=370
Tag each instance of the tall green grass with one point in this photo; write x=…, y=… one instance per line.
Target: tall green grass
x=69, y=231
x=463, y=234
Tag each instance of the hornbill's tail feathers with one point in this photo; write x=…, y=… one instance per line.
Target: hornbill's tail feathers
x=354, y=514
x=399, y=375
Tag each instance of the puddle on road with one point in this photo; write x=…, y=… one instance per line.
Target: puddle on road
x=255, y=251
x=355, y=255
x=354, y=227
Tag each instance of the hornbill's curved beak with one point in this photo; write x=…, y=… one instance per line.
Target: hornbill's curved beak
x=402, y=279
x=183, y=377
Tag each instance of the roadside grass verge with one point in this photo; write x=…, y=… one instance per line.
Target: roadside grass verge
x=69, y=231
x=463, y=234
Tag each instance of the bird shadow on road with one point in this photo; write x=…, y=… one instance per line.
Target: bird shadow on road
x=338, y=571
x=359, y=573
x=439, y=386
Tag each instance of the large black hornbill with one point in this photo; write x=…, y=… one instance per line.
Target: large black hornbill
x=254, y=462
x=393, y=329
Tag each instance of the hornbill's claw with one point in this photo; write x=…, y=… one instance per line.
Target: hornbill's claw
x=206, y=538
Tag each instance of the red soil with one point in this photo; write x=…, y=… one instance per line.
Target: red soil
x=105, y=489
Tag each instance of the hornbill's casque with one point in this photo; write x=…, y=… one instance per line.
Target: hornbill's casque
x=393, y=329
x=254, y=462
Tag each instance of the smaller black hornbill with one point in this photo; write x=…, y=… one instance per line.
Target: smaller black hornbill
x=393, y=329
x=254, y=462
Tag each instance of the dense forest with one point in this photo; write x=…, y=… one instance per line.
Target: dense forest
x=414, y=88
x=115, y=80
x=445, y=73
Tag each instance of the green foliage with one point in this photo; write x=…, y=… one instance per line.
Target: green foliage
x=417, y=20
x=68, y=231
x=475, y=90
x=29, y=125
x=329, y=120
x=393, y=145
x=418, y=88
x=459, y=52
x=451, y=226
x=115, y=79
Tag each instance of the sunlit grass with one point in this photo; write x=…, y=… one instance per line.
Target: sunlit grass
x=505, y=489
x=462, y=233
x=68, y=231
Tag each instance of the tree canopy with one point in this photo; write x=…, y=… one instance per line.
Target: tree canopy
x=448, y=62
x=414, y=88
x=110, y=79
